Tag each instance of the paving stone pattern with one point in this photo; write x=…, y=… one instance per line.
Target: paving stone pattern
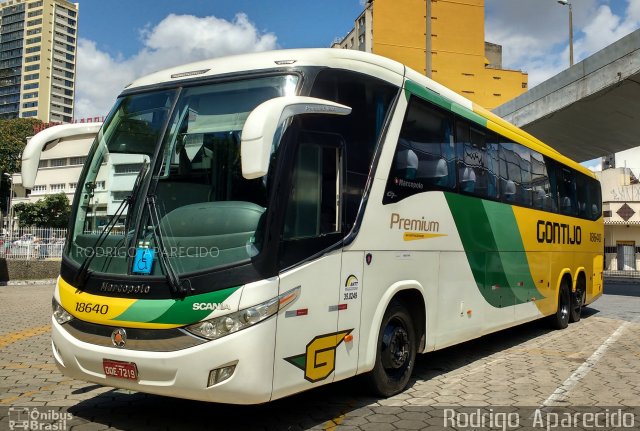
x=516, y=370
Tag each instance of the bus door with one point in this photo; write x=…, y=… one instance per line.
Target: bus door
x=311, y=258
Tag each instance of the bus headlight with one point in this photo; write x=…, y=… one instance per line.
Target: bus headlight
x=234, y=322
x=59, y=313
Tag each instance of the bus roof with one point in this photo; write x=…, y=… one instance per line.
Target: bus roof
x=282, y=59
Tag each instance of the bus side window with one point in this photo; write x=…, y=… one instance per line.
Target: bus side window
x=477, y=160
x=540, y=186
x=314, y=204
x=313, y=220
x=515, y=174
x=567, y=194
x=425, y=155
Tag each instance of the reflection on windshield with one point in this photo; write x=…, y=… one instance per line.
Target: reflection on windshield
x=207, y=212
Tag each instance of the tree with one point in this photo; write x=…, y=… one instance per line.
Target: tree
x=13, y=139
x=52, y=211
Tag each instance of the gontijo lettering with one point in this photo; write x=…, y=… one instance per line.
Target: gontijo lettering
x=558, y=233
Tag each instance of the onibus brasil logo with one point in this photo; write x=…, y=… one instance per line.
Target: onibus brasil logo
x=319, y=361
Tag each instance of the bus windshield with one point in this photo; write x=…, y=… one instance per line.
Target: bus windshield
x=164, y=176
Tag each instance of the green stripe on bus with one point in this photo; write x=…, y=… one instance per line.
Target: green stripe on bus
x=174, y=311
x=427, y=94
x=435, y=98
x=468, y=114
x=494, y=249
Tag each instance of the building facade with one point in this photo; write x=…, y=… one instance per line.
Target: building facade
x=38, y=43
x=621, y=209
x=443, y=39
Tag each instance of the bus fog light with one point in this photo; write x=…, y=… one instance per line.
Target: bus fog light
x=220, y=374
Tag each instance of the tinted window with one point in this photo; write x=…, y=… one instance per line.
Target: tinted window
x=370, y=99
x=425, y=154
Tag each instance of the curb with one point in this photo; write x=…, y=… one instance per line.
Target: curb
x=28, y=282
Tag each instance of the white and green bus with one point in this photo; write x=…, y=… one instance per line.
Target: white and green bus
x=292, y=218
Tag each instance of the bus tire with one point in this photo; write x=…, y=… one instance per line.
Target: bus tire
x=577, y=299
x=395, y=352
x=560, y=319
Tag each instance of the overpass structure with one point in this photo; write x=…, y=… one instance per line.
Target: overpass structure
x=587, y=111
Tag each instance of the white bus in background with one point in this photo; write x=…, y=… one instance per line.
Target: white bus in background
x=300, y=217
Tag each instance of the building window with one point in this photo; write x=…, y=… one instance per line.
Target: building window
x=34, y=40
x=32, y=49
x=78, y=160
x=35, y=4
x=57, y=188
x=33, y=31
x=34, y=22
x=73, y=186
x=30, y=95
x=128, y=168
x=30, y=86
x=29, y=114
x=58, y=162
x=38, y=190
x=524, y=85
x=30, y=105
x=43, y=164
x=31, y=76
x=100, y=185
x=32, y=58
x=32, y=67
x=34, y=13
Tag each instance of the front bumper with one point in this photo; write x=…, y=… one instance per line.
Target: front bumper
x=182, y=373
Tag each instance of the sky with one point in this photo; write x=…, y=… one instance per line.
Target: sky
x=122, y=40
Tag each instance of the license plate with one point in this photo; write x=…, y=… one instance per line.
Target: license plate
x=119, y=369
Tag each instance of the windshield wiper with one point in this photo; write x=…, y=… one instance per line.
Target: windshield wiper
x=127, y=202
x=177, y=286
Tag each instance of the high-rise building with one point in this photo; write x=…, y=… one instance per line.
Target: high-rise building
x=38, y=41
x=444, y=39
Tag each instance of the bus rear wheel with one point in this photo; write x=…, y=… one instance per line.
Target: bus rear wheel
x=395, y=353
x=577, y=299
x=560, y=320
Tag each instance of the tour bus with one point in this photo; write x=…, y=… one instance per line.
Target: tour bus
x=294, y=218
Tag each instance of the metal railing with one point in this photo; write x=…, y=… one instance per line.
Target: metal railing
x=32, y=243
x=622, y=260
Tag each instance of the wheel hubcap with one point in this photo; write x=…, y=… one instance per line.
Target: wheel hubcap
x=395, y=347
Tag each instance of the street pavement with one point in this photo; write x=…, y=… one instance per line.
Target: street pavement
x=530, y=371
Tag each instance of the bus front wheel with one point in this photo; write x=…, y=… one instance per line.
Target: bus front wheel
x=395, y=353
x=560, y=320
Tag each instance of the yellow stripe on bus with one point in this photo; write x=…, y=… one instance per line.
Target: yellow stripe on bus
x=101, y=310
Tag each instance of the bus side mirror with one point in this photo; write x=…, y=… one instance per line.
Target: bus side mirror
x=48, y=138
x=265, y=122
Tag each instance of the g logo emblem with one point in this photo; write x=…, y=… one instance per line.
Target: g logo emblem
x=119, y=337
x=319, y=360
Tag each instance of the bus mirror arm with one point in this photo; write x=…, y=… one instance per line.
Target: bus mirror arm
x=264, y=124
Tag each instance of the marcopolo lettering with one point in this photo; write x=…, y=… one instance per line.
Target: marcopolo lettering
x=125, y=288
x=414, y=224
x=558, y=233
